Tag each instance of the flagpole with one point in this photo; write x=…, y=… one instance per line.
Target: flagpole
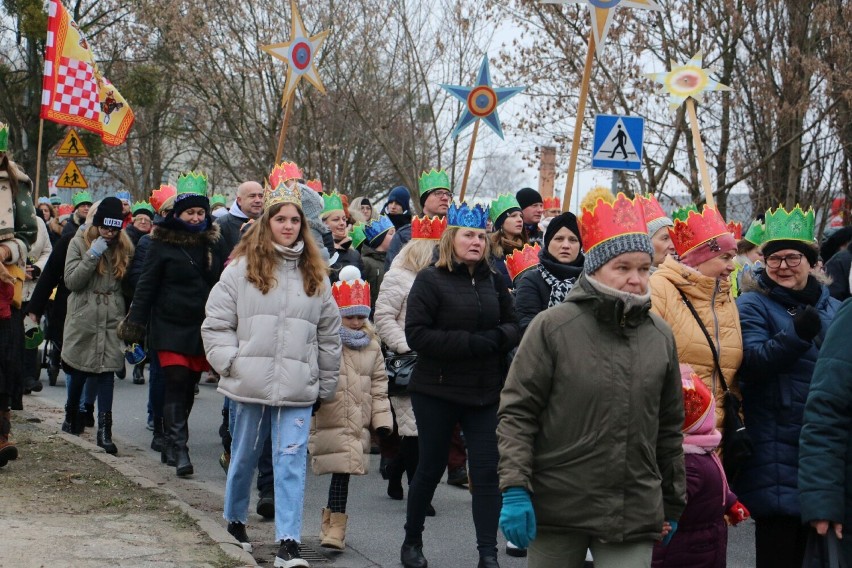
x=288, y=110
x=699, y=153
x=578, y=126
x=38, y=157
x=469, y=160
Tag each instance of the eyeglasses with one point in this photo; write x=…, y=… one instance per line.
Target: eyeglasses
x=442, y=194
x=792, y=260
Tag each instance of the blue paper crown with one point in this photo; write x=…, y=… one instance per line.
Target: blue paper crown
x=125, y=195
x=463, y=215
x=377, y=227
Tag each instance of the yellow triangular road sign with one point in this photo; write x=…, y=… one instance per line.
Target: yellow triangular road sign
x=71, y=177
x=72, y=146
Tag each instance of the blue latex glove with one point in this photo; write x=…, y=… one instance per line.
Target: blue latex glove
x=668, y=537
x=517, y=518
x=98, y=247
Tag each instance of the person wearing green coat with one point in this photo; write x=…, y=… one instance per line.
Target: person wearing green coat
x=825, y=444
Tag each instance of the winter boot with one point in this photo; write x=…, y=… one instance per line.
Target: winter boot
x=89, y=416
x=73, y=420
x=8, y=451
x=104, y=437
x=158, y=441
x=139, y=374
x=167, y=454
x=336, y=536
x=178, y=429
x=266, y=502
x=326, y=522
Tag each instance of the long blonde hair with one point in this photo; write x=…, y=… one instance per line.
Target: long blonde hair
x=446, y=254
x=416, y=255
x=120, y=252
x=262, y=259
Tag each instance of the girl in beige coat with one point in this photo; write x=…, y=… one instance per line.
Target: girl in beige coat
x=340, y=431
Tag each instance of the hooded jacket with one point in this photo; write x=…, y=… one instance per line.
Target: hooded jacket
x=590, y=419
x=532, y=294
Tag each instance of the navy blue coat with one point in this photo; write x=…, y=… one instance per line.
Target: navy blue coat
x=775, y=377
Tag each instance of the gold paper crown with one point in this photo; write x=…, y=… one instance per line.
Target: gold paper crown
x=282, y=194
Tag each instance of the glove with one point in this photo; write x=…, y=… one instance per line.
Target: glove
x=517, y=518
x=807, y=323
x=383, y=432
x=736, y=513
x=98, y=247
x=130, y=332
x=482, y=342
x=316, y=407
x=668, y=538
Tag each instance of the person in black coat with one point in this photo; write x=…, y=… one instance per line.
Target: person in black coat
x=838, y=270
x=461, y=322
x=561, y=264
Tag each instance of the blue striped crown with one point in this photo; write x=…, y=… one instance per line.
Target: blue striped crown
x=463, y=215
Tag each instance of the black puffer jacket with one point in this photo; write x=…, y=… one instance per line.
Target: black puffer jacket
x=532, y=293
x=448, y=315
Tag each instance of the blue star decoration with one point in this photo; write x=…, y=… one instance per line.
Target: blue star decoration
x=481, y=100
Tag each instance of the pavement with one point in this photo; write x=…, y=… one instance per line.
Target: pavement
x=373, y=536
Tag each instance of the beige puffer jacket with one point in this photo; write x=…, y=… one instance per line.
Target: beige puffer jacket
x=278, y=349
x=390, y=323
x=340, y=431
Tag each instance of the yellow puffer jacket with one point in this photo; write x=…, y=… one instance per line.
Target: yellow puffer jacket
x=720, y=316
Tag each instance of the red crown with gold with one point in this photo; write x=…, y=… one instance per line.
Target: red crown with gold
x=522, y=260
x=736, y=229
x=652, y=208
x=352, y=294
x=698, y=229
x=428, y=228
x=161, y=195
x=314, y=184
x=552, y=203
x=65, y=209
x=605, y=221
x=285, y=171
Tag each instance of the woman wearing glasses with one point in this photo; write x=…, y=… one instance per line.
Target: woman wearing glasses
x=785, y=312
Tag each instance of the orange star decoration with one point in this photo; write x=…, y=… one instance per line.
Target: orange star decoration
x=299, y=54
x=602, y=13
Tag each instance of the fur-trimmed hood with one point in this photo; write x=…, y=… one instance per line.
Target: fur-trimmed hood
x=179, y=238
x=750, y=281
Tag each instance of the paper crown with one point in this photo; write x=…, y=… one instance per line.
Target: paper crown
x=314, y=184
x=162, y=194
x=696, y=401
x=351, y=292
x=285, y=171
x=796, y=225
x=433, y=179
x=43, y=200
x=692, y=228
x=218, y=199
x=124, y=195
x=55, y=200
x=331, y=202
x=141, y=206
x=735, y=229
x=282, y=193
x=428, y=228
x=551, y=203
x=65, y=209
x=192, y=182
x=4, y=137
x=502, y=204
x=756, y=233
x=605, y=221
x=80, y=198
x=464, y=215
x=357, y=235
x=651, y=208
x=522, y=260
x=377, y=227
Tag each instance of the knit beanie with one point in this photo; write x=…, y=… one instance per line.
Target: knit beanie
x=312, y=205
x=110, y=213
x=184, y=201
x=710, y=249
x=774, y=246
x=657, y=224
x=402, y=196
x=567, y=220
x=528, y=196
x=618, y=245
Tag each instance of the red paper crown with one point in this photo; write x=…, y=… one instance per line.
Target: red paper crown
x=522, y=260
x=652, y=208
x=65, y=209
x=285, y=171
x=552, y=203
x=606, y=221
x=161, y=195
x=348, y=295
x=314, y=184
x=428, y=228
x=696, y=402
x=736, y=229
x=698, y=229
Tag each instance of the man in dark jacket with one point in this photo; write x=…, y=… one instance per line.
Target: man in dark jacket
x=435, y=198
x=249, y=205
x=532, y=207
x=838, y=269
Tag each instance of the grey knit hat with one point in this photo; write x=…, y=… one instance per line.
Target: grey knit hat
x=312, y=204
x=658, y=224
x=609, y=249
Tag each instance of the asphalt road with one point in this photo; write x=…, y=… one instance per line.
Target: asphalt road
x=376, y=522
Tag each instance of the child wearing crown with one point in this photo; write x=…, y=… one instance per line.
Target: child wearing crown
x=340, y=430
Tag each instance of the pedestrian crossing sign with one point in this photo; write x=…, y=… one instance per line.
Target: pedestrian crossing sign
x=618, y=142
x=71, y=177
x=72, y=146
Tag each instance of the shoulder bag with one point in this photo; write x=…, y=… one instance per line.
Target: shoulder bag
x=399, y=367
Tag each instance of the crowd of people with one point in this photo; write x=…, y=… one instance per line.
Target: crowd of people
x=579, y=374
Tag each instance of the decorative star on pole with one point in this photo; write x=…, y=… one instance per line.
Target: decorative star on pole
x=602, y=12
x=685, y=81
x=481, y=100
x=299, y=54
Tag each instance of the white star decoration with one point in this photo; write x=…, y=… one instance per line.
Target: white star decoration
x=687, y=80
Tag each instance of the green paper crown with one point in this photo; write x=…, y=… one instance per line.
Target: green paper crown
x=358, y=235
x=331, y=202
x=192, y=182
x=4, y=137
x=756, y=233
x=218, y=199
x=434, y=179
x=683, y=212
x=502, y=204
x=141, y=206
x=797, y=225
x=80, y=198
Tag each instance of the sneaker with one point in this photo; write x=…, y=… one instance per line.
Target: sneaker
x=138, y=375
x=288, y=555
x=32, y=385
x=238, y=530
x=514, y=551
x=225, y=461
x=457, y=477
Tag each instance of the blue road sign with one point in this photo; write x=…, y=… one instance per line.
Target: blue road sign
x=618, y=142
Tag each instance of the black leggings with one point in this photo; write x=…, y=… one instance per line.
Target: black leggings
x=180, y=385
x=436, y=419
x=338, y=492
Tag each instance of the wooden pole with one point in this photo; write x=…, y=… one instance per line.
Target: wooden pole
x=38, y=159
x=699, y=153
x=288, y=111
x=469, y=160
x=578, y=126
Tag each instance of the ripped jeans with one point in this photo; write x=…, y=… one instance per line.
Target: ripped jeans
x=289, y=427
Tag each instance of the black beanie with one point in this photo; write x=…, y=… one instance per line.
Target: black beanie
x=528, y=196
x=186, y=201
x=110, y=213
x=567, y=220
x=808, y=250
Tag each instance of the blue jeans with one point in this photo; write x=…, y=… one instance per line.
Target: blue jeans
x=89, y=391
x=156, y=387
x=289, y=428
x=81, y=386
x=265, y=480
